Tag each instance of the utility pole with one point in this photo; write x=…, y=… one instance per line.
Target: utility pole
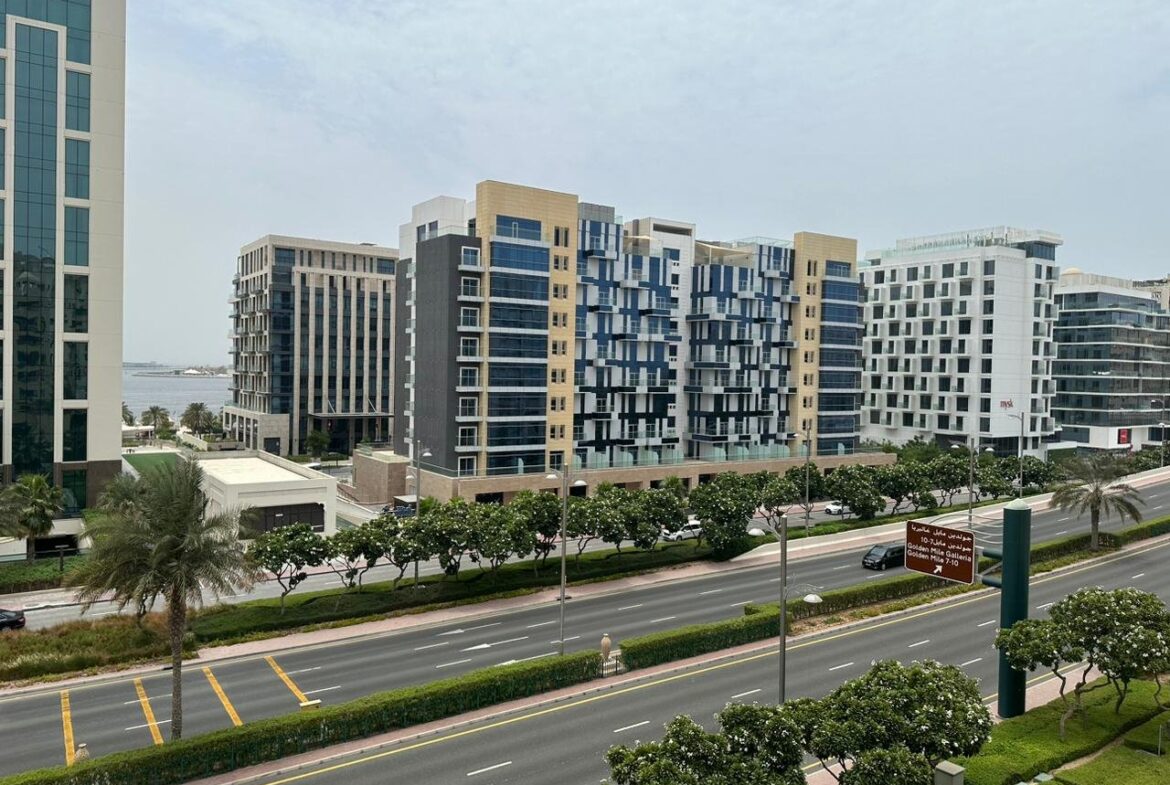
x=807, y=501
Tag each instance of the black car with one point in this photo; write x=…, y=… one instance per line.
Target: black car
x=11, y=620
x=879, y=557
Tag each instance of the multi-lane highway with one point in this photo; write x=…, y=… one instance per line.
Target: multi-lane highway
x=114, y=713
x=41, y=616
x=571, y=737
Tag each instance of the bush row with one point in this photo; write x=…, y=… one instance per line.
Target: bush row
x=1145, y=736
x=646, y=651
x=272, y=739
x=763, y=621
x=1024, y=746
x=41, y=574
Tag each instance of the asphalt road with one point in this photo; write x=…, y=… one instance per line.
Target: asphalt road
x=41, y=617
x=111, y=714
x=571, y=738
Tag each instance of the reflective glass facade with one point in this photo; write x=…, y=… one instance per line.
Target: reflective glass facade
x=34, y=190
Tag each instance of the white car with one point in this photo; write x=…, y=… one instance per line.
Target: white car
x=691, y=530
x=836, y=508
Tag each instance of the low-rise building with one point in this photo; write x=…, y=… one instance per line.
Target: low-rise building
x=276, y=492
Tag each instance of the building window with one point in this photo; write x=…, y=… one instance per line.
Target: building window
x=76, y=101
x=74, y=436
x=466, y=465
x=77, y=236
x=468, y=377
x=76, y=371
x=469, y=407
x=468, y=257
x=468, y=436
x=988, y=269
x=76, y=169
x=76, y=316
x=469, y=347
x=73, y=486
x=556, y=461
x=469, y=287
x=469, y=317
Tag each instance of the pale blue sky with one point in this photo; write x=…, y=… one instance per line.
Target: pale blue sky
x=876, y=120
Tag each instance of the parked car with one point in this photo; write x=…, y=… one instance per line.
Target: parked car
x=836, y=508
x=879, y=557
x=691, y=530
x=11, y=620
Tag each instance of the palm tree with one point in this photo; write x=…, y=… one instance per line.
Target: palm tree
x=197, y=417
x=27, y=509
x=165, y=545
x=157, y=416
x=1093, y=487
x=121, y=494
x=127, y=415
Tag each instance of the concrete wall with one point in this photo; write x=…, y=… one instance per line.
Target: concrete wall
x=378, y=478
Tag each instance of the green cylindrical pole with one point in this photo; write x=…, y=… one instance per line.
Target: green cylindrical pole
x=1013, y=601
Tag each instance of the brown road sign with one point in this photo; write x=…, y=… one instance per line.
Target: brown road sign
x=941, y=552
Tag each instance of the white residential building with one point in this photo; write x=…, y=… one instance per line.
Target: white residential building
x=959, y=342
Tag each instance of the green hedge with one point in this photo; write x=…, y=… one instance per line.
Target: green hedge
x=1145, y=736
x=1119, y=766
x=1024, y=746
x=1142, y=531
x=46, y=573
x=272, y=739
x=648, y=650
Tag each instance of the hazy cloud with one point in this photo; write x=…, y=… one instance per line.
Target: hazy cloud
x=875, y=120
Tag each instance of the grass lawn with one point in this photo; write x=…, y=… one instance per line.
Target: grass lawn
x=1120, y=766
x=148, y=460
x=1024, y=746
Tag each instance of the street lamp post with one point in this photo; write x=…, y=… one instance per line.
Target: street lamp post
x=807, y=469
x=811, y=597
x=1020, y=459
x=971, y=448
x=564, y=478
x=420, y=452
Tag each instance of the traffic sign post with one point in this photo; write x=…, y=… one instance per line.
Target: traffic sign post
x=939, y=551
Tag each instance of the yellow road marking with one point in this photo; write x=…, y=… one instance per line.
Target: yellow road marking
x=67, y=726
x=288, y=682
x=223, y=698
x=148, y=712
x=676, y=677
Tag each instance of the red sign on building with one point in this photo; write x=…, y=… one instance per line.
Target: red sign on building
x=940, y=551
x=1123, y=435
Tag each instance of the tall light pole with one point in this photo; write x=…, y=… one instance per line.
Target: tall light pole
x=971, y=448
x=420, y=452
x=811, y=597
x=1020, y=459
x=807, y=469
x=1162, y=426
x=564, y=478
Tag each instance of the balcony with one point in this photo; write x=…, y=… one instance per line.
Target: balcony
x=467, y=325
x=605, y=302
x=512, y=232
x=470, y=262
x=471, y=294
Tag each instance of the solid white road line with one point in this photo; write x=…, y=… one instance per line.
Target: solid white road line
x=745, y=602
x=1045, y=605
x=631, y=727
x=421, y=648
x=839, y=667
x=323, y=689
x=489, y=768
x=1139, y=575
x=449, y=664
x=985, y=623
x=664, y=618
x=541, y=624
x=573, y=638
x=912, y=645
x=710, y=591
x=1062, y=531
x=630, y=607
x=843, y=567
x=306, y=670
x=970, y=662
x=140, y=727
x=745, y=694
